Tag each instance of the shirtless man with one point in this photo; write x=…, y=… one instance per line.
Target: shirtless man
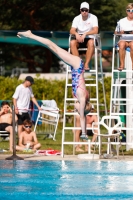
x=6, y=121
x=89, y=120
x=28, y=139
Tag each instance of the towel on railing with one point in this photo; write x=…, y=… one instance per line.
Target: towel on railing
x=49, y=103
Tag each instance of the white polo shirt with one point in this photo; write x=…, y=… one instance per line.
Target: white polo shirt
x=125, y=25
x=23, y=95
x=85, y=26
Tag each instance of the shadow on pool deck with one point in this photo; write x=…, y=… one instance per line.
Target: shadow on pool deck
x=66, y=157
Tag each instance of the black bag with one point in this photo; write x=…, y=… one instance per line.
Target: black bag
x=122, y=137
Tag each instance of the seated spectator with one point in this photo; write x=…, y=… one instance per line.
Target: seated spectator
x=89, y=120
x=125, y=25
x=28, y=139
x=85, y=24
x=6, y=121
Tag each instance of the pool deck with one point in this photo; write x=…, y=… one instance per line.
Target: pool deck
x=66, y=157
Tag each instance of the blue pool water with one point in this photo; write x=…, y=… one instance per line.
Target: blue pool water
x=37, y=180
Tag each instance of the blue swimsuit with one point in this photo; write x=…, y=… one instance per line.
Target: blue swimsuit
x=75, y=77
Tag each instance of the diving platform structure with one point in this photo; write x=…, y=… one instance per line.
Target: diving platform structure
x=121, y=101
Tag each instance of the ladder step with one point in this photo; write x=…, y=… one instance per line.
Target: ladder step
x=82, y=143
x=76, y=128
x=122, y=85
x=93, y=79
x=90, y=79
x=121, y=99
x=94, y=85
x=82, y=49
x=124, y=70
x=75, y=113
x=74, y=99
x=119, y=104
x=125, y=128
x=97, y=143
x=117, y=114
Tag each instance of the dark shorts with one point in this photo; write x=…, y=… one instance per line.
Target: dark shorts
x=3, y=126
x=23, y=117
x=81, y=45
x=84, y=44
x=89, y=133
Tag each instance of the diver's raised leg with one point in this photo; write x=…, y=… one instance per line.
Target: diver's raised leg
x=59, y=52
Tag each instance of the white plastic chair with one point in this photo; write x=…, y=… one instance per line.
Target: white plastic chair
x=48, y=116
x=111, y=127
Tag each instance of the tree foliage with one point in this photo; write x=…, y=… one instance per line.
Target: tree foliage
x=48, y=15
x=53, y=15
x=108, y=13
x=50, y=89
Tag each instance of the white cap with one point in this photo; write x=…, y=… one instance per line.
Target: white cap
x=84, y=5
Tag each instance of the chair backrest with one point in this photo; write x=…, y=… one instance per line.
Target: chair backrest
x=111, y=126
x=49, y=103
x=116, y=125
x=49, y=116
x=49, y=111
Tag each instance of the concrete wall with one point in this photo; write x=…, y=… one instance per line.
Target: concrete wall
x=53, y=76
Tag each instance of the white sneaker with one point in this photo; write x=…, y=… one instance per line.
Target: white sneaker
x=6, y=139
x=50, y=136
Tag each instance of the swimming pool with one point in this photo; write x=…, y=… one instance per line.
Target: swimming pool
x=39, y=180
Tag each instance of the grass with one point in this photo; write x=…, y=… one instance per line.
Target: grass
x=56, y=145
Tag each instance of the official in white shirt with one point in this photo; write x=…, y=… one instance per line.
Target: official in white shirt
x=125, y=26
x=84, y=26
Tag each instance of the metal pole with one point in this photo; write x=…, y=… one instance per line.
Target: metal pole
x=14, y=156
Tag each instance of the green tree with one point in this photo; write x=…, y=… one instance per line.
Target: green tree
x=50, y=89
x=108, y=12
x=48, y=15
x=53, y=15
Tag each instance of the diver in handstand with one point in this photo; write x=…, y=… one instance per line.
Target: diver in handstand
x=83, y=105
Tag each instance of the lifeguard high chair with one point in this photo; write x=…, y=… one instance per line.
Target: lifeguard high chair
x=92, y=81
x=121, y=100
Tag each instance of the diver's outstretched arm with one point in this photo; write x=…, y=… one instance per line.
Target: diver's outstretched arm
x=68, y=58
